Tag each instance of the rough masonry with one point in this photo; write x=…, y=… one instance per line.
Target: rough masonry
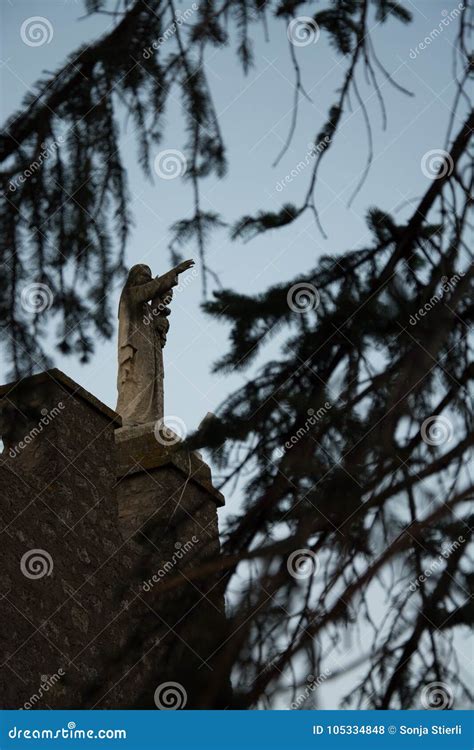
x=101, y=528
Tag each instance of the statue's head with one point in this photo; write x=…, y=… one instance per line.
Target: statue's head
x=139, y=274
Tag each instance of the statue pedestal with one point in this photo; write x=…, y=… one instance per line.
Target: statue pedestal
x=157, y=482
x=167, y=507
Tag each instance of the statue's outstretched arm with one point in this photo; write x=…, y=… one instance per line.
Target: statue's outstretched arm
x=155, y=288
x=160, y=284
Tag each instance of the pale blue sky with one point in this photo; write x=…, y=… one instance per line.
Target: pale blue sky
x=255, y=114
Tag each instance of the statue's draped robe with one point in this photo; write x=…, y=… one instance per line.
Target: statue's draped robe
x=140, y=358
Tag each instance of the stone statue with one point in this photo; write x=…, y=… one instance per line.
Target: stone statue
x=143, y=325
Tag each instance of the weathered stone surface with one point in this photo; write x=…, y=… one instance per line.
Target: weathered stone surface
x=113, y=523
x=143, y=326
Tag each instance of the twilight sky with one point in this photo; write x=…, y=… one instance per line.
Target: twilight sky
x=255, y=114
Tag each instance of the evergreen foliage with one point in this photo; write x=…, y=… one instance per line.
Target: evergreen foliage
x=334, y=438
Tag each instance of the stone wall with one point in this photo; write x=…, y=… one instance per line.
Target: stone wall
x=96, y=607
